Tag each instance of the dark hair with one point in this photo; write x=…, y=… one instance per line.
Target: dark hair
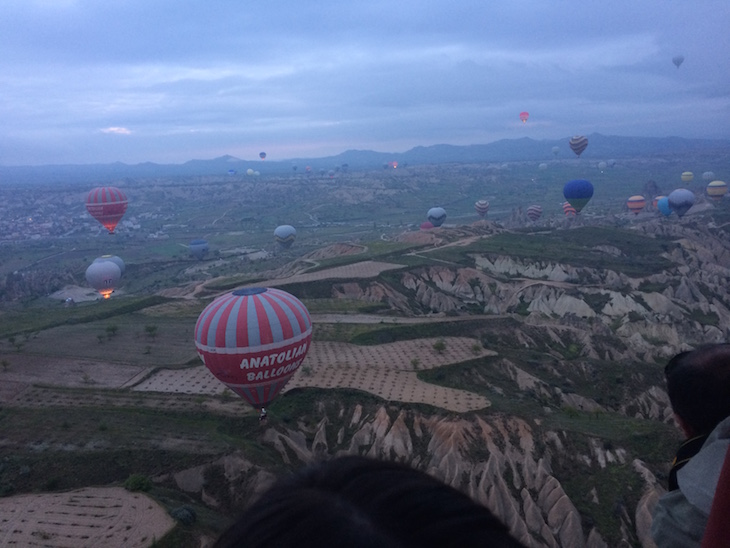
x=698, y=383
x=359, y=502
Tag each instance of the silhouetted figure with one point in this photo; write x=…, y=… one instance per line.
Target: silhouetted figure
x=698, y=383
x=356, y=502
x=263, y=416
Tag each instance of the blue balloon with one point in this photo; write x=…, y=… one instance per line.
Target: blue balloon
x=436, y=216
x=681, y=200
x=662, y=204
x=578, y=193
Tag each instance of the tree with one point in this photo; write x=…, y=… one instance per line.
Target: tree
x=439, y=346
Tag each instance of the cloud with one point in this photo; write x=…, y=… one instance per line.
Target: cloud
x=117, y=130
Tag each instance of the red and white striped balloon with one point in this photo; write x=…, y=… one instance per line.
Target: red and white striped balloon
x=253, y=340
x=107, y=204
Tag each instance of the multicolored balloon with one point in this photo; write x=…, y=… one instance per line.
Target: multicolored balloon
x=578, y=144
x=687, y=177
x=534, y=212
x=285, y=235
x=199, y=248
x=436, y=216
x=717, y=189
x=681, y=200
x=107, y=204
x=253, y=340
x=104, y=277
x=578, y=192
x=569, y=210
x=524, y=116
x=636, y=204
x=481, y=207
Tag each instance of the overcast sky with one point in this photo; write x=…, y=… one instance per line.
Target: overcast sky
x=96, y=81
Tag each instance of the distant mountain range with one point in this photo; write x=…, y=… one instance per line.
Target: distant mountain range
x=600, y=147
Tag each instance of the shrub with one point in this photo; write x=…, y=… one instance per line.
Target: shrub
x=138, y=482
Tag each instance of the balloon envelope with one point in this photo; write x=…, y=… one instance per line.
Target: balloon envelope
x=107, y=205
x=708, y=175
x=678, y=60
x=253, y=340
x=436, y=216
x=602, y=165
x=199, y=249
x=556, y=150
x=569, y=210
x=534, y=212
x=578, y=144
x=104, y=277
x=481, y=207
x=113, y=258
x=662, y=204
x=681, y=200
x=717, y=189
x=542, y=167
x=524, y=116
x=687, y=176
x=578, y=192
x=285, y=235
x=425, y=225
x=262, y=155
x=636, y=204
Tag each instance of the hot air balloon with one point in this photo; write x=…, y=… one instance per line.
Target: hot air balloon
x=678, y=60
x=262, y=155
x=308, y=169
x=253, y=340
x=250, y=172
x=231, y=172
x=556, y=151
x=524, y=116
x=393, y=164
x=636, y=204
x=687, y=177
x=655, y=201
x=569, y=210
x=425, y=225
x=662, y=204
x=199, y=248
x=107, y=205
x=104, y=277
x=578, y=193
x=481, y=207
x=681, y=200
x=602, y=165
x=708, y=176
x=542, y=167
x=116, y=260
x=578, y=144
x=717, y=189
x=294, y=167
x=436, y=216
x=611, y=163
x=534, y=212
x=285, y=235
